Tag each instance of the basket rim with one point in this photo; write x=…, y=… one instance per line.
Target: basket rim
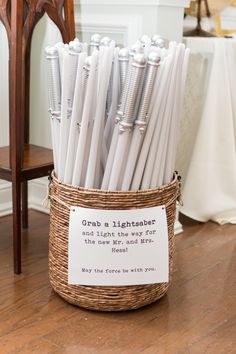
x=176, y=178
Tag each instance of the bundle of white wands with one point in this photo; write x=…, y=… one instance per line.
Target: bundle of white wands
x=115, y=112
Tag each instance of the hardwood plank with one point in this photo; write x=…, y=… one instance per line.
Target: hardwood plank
x=197, y=316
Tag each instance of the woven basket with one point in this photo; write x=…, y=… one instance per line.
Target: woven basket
x=103, y=298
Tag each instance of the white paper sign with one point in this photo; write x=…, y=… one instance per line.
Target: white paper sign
x=118, y=247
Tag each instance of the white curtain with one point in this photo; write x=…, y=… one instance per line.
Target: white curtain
x=209, y=190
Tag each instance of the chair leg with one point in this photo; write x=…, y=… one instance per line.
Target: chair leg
x=69, y=20
x=24, y=201
x=16, y=197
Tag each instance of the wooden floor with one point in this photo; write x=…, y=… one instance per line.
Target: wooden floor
x=197, y=316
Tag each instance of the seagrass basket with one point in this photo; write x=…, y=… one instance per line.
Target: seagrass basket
x=104, y=298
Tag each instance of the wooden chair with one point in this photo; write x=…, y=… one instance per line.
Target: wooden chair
x=20, y=161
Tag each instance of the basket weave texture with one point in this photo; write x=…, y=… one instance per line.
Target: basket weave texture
x=103, y=298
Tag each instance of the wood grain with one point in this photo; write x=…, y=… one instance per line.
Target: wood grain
x=197, y=316
x=37, y=162
x=34, y=156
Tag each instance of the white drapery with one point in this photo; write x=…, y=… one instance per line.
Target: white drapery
x=209, y=190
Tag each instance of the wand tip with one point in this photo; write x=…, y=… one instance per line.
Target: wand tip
x=159, y=42
x=136, y=48
x=105, y=41
x=139, y=60
x=75, y=47
x=95, y=39
x=154, y=58
x=88, y=62
x=51, y=52
x=145, y=39
x=124, y=54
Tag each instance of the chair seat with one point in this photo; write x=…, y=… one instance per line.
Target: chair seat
x=37, y=162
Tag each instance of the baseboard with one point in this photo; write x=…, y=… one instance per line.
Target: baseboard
x=178, y=226
x=37, y=193
x=5, y=198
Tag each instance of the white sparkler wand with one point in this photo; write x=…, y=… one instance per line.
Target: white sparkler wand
x=54, y=88
x=146, y=42
x=119, y=116
x=90, y=64
x=164, y=164
x=159, y=136
x=137, y=48
x=75, y=48
x=115, y=95
x=105, y=63
x=171, y=155
x=94, y=43
x=105, y=41
x=112, y=82
x=158, y=41
x=77, y=110
x=141, y=121
x=90, y=126
x=65, y=116
x=123, y=59
x=70, y=60
x=125, y=126
x=109, y=91
x=60, y=48
x=167, y=153
x=157, y=97
x=160, y=154
x=85, y=47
